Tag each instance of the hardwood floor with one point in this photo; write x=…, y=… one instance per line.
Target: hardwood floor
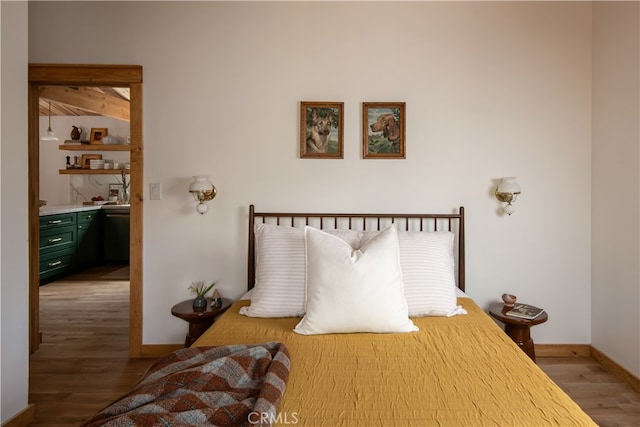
x=607, y=399
x=83, y=362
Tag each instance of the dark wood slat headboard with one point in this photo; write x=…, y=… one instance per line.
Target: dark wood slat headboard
x=417, y=222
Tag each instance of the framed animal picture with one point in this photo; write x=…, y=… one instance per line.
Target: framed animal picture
x=321, y=130
x=383, y=126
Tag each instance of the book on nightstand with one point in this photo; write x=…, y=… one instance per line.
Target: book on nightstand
x=525, y=311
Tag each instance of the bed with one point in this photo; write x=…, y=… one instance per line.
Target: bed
x=450, y=365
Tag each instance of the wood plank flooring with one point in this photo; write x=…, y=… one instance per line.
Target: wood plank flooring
x=83, y=362
x=607, y=399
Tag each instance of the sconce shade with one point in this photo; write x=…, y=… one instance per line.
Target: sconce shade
x=202, y=208
x=507, y=192
x=509, y=185
x=200, y=183
x=203, y=191
x=508, y=208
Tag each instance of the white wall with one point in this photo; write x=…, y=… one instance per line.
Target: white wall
x=616, y=183
x=59, y=189
x=14, y=266
x=492, y=90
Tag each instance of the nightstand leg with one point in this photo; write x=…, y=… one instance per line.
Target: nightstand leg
x=521, y=335
x=195, y=330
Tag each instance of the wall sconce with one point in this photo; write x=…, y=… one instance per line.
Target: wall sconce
x=203, y=191
x=507, y=192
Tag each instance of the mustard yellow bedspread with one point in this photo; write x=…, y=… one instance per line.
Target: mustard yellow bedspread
x=457, y=371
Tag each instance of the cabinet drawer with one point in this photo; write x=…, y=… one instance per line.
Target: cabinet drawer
x=57, y=238
x=87, y=216
x=58, y=220
x=55, y=263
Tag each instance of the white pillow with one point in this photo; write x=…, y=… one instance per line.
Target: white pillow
x=354, y=290
x=280, y=270
x=427, y=271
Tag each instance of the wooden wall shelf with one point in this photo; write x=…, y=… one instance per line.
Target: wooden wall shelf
x=93, y=171
x=94, y=147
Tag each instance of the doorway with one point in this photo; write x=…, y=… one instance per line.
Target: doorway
x=83, y=75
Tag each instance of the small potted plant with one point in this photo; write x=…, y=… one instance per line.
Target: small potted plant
x=200, y=289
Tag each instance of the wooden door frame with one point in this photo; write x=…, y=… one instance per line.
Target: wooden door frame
x=87, y=75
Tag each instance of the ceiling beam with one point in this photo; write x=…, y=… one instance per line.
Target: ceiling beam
x=88, y=99
x=124, y=92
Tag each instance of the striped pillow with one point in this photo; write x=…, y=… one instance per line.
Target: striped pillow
x=281, y=270
x=428, y=273
x=426, y=259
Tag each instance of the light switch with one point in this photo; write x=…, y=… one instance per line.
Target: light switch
x=154, y=191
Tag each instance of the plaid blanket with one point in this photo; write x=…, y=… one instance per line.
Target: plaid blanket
x=227, y=385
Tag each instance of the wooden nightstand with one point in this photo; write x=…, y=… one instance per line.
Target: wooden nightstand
x=519, y=330
x=199, y=321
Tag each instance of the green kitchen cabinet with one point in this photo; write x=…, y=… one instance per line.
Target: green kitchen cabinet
x=58, y=238
x=58, y=220
x=58, y=242
x=88, y=248
x=116, y=235
x=55, y=264
x=69, y=242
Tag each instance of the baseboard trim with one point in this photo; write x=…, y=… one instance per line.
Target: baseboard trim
x=586, y=350
x=615, y=368
x=158, y=350
x=563, y=350
x=22, y=418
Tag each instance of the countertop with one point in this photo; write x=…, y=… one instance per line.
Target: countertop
x=58, y=209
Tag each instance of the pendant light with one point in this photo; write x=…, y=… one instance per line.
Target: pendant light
x=48, y=135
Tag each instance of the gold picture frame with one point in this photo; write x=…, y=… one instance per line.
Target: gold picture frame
x=86, y=158
x=383, y=130
x=96, y=135
x=321, y=130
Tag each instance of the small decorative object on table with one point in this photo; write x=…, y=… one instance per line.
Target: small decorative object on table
x=200, y=289
x=216, y=301
x=508, y=299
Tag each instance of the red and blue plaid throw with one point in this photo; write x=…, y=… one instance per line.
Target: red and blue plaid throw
x=228, y=385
